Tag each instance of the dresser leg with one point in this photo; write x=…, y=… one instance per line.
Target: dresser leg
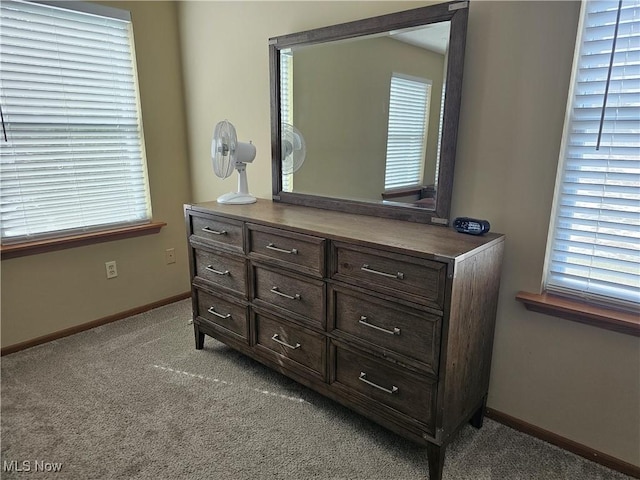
x=478, y=417
x=199, y=337
x=435, y=455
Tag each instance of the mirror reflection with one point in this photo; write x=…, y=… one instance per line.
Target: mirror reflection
x=370, y=111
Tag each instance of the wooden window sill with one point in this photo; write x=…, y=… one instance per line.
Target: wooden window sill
x=53, y=244
x=578, y=311
x=402, y=192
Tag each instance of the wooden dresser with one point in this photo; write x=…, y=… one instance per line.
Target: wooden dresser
x=393, y=319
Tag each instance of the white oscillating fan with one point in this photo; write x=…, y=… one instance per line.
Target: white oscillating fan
x=293, y=147
x=228, y=154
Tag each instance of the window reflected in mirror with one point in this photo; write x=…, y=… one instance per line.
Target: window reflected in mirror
x=409, y=99
x=370, y=110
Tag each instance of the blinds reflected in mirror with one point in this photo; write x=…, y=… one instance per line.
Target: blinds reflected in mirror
x=286, y=104
x=409, y=99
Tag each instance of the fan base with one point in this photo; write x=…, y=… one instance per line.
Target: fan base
x=236, y=198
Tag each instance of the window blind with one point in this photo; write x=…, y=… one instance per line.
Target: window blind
x=440, y=128
x=409, y=99
x=73, y=159
x=286, y=103
x=595, y=236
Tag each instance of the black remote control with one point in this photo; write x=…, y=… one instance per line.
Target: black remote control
x=471, y=226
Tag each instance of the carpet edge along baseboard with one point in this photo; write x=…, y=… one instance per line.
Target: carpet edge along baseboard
x=565, y=443
x=92, y=324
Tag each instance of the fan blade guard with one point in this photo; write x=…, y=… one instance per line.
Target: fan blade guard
x=223, y=149
x=293, y=149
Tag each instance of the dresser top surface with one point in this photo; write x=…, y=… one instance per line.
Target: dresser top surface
x=428, y=240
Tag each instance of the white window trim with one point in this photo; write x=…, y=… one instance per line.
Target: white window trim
x=557, y=198
x=286, y=106
x=86, y=7
x=429, y=87
x=108, y=228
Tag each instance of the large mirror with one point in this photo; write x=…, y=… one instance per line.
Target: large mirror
x=372, y=106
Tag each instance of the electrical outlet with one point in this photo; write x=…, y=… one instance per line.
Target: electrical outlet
x=112, y=270
x=170, y=255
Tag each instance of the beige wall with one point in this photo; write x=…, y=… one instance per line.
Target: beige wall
x=341, y=105
x=49, y=292
x=578, y=381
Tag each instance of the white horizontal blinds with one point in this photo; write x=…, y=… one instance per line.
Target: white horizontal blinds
x=286, y=103
x=596, y=236
x=408, y=109
x=440, y=128
x=74, y=157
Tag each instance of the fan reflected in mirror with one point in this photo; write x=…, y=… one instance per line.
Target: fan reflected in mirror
x=294, y=148
x=228, y=154
x=294, y=151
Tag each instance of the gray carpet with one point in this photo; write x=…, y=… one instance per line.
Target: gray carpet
x=134, y=399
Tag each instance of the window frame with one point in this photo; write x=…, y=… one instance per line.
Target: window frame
x=428, y=86
x=68, y=238
x=571, y=305
x=286, y=104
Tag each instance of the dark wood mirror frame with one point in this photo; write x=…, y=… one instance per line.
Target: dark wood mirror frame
x=457, y=14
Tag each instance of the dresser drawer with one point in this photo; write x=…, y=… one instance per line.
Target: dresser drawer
x=290, y=293
x=411, y=278
x=224, y=315
x=386, y=385
x=224, y=271
x=294, y=346
x=221, y=232
x=388, y=326
x=291, y=250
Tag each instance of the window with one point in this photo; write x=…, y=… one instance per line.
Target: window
x=72, y=156
x=440, y=125
x=594, y=239
x=286, y=103
x=409, y=100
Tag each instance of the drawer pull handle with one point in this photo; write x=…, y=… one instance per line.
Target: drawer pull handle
x=215, y=232
x=217, y=272
x=271, y=246
x=276, y=338
x=277, y=291
x=212, y=311
x=366, y=268
x=363, y=321
x=363, y=378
